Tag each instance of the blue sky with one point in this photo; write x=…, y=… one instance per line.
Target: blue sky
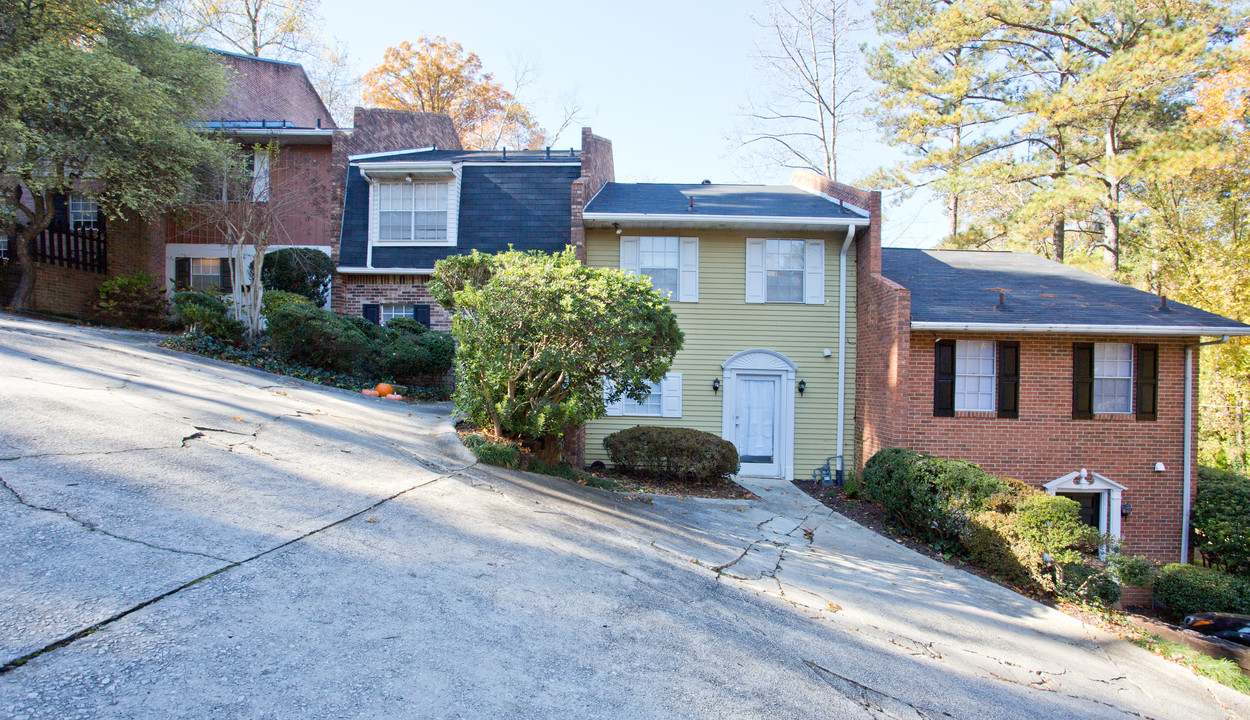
x=663, y=80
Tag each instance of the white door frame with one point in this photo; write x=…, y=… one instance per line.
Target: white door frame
x=762, y=362
x=1083, y=481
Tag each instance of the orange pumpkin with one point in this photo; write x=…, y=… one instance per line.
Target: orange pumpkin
x=384, y=389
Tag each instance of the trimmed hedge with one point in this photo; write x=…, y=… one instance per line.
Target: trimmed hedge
x=1187, y=589
x=274, y=300
x=1005, y=526
x=932, y=497
x=671, y=453
x=302, y=333
x=1221, y=520
x=208, y=314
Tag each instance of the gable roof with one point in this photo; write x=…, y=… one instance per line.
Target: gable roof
x=959, y=290
x=738, y=205
x=273, y=92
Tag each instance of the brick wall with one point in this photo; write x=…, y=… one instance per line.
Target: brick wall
x=598, y=169
x=351, y=292
x=134, y=246
x=1045, y=443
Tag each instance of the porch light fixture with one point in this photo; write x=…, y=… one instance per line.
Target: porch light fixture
x=1126, y=510
x=617, y=228
x=715, y=386
x=802, y=387
x=408, y=177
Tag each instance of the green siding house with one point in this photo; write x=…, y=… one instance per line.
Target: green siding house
x=762, y=279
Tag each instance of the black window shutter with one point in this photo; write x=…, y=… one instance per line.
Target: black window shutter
x=944, y=378
x=421, y=313
x=225, y=276
x=1082, y=381
x=99, y=221
x=1146, y=381
x=60, y=212
x=182, y=273
x=372, y=313
x=1008, y=379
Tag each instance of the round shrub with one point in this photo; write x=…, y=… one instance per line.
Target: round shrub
x=420, y=358
x=1221, y=520
x=303, y=271
x=671, y=453
x=130, y=301
x=274, y=300
x=311, y=336
x=209, y=315
x=1086, y=582
x=195, y=298
x=1188, y=589
x=407, y=325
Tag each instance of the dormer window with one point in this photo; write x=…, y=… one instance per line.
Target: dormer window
x=412, y=211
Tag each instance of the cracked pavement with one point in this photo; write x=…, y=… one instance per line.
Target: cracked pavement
x=188, y=539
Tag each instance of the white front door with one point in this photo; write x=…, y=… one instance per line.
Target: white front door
x=756, y=424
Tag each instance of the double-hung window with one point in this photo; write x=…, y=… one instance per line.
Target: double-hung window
x=976, y=376
x=1115, y=379
x=663, y=400
x=783, y=270
x=671, y=263
x=412, y=212
x=658, y=260
x=203, y=274
x=84, y=213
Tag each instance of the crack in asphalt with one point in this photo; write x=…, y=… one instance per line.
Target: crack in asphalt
x=70, y=639
x=874, y=700
x=95, y=528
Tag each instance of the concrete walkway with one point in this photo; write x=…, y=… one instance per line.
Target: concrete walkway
x=187, y=539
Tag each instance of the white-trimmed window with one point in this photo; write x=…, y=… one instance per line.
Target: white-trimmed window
x=387, y=313
x=784, y=270
x=974, y=375
x=84, y=213
x=671, y=263
x=784, y=267
x=1113, y=377
x=658, y=260
x=663, y=401
x=206, y=274
x=412, y=212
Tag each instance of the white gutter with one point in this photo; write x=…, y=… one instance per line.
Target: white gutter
x=846, y=244
x=1160, y=330
x=1189, y=442
x=363, y=156
x=383, y=271
x=696, y=219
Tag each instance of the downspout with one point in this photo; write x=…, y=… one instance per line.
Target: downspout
x=1189, y=442
x=846, y=244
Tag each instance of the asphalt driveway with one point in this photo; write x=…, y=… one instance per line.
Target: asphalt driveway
x=186, y=539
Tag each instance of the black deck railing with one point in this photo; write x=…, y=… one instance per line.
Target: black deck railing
x=78, y=249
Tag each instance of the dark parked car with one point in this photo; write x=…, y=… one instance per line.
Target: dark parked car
x=1234, y=628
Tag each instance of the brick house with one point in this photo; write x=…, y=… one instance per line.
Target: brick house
x=408, y=204
x=266, y=101
x=1042, y=372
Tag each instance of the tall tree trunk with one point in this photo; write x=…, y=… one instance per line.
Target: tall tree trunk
x=831, y=147
x=953, y=230
x=1111, y=231
x=36, y=223
x=1058, y=238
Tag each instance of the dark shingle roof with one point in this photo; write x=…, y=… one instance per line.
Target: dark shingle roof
x=963, y=286
x=745, y=201
x=270, y=90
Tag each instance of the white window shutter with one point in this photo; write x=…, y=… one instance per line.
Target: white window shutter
x=814, y=282
x=613, y=408
x=688, y=270
x=755, y=270
x=670, y=396
x=631, y=261
x=374, y=205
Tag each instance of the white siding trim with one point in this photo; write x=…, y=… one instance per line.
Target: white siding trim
x=631, y=260
x=814, y=272
x=755, y=270
x=670, y=396
x=688, y=270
